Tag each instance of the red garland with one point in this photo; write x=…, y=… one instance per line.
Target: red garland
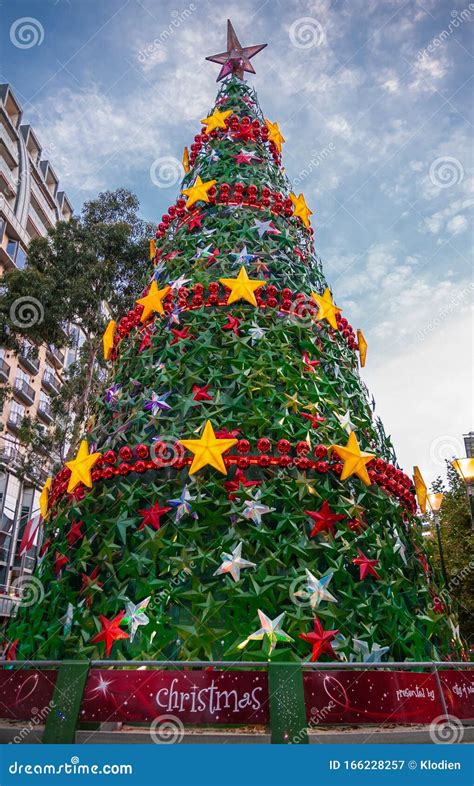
x=193, y=298
x=382, y=474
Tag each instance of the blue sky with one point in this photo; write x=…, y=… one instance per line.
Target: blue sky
x=374, y=99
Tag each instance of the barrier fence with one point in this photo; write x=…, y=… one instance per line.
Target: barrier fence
x=290, y=698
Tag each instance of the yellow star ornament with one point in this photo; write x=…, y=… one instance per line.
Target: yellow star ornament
x=327, y=309
x=185, y=160
x=274, y=134
x=108, y=339
x=301, y=209
x=362, y=347
x=354, y=459
x=242, y=287
x=208, y=450
x=420, y=489
x=81, y=467
x=216, y=120
x=153, y=302
x=44, y=498
x=198, y=192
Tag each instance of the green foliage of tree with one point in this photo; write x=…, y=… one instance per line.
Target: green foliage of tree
x=458, y=546
x=81, y=270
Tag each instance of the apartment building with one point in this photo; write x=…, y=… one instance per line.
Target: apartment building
x=31, y=202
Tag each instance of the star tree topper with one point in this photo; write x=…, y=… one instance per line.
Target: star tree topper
x=237, y=58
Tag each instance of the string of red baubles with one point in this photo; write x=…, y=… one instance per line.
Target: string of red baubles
x=235, y=194
x=243, y=129
x=138, y=459
x=298, y=305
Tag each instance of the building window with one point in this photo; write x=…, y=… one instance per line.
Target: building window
x=3, y=224
x=20, y=375
x=21, y=258
x=44, y=400
x=12, y=247
x=18, y=409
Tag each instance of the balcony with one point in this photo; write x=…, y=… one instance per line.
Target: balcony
x=23, y=391
x=4, y=371
x=44, y=412
x=11, y=146
x=43, y=202
x=14, y=421
x=8, y=178
x=8, y=605
x=28, y=358
x=50, y=382
x=55, y=355
x=9, y=454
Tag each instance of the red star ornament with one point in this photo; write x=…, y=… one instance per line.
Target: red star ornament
x=60, y=561
x=75, y=532
x=320, y=641
x=110, y=632
x=366, y=566
x=152, y=516
x=201, y=393
x=324, y=519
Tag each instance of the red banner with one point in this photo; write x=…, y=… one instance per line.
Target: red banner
x=25, y=694
x=241, y=697
x=192, y=696
x=382, y=696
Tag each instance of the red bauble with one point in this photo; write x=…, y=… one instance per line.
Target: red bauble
x=243, y=446
x=110, y=457
x=125, y=453
x=263, y=445
x=142, y=451
x=140, y=466
x=283, y=446
x=320, y=451
x=302, y=448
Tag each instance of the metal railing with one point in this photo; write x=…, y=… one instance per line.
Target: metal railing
x=286, y=721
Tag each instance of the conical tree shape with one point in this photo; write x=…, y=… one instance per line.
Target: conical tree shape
x=218, y=492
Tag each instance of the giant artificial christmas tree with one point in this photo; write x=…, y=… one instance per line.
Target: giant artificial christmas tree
x=234, y=495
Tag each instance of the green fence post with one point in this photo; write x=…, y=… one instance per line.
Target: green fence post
x=287, y=707
x=63, y=716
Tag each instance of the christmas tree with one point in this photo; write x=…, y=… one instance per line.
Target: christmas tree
x=234, y=495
